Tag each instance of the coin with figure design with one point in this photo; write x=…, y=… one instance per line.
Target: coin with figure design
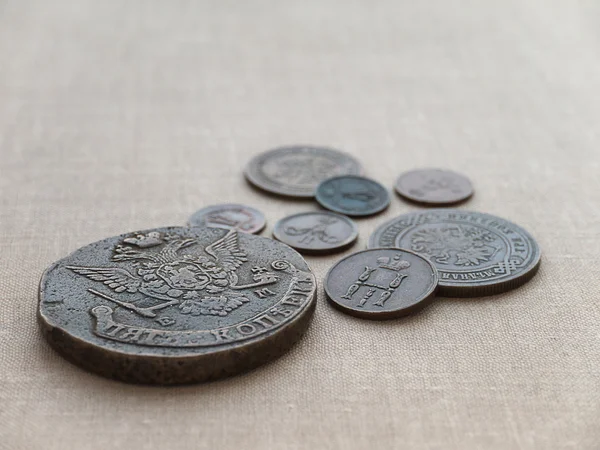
x=353, y=195
x=316, y=232
x=297, y=171
x=229, y=216
x=434, y=186
x=381, y=283
x=476, y=254
x=176, y=305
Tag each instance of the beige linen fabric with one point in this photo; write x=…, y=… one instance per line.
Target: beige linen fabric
x=122, y=115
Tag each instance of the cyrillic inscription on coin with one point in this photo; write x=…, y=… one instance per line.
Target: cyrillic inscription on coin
x=476, y=254
x=176, y=305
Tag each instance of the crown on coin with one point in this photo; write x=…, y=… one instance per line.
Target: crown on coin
x=394, y=263
x=151, y=239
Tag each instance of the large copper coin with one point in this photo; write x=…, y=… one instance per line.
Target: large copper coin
x=297, y=171
x=176, y=305
x=381, y=283
x=434, y=186
x=316, y=232
x=476, y=254
x=229, y=216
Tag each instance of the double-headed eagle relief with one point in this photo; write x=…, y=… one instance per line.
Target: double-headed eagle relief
x=169, y=269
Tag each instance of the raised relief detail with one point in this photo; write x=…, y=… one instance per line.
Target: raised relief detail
x=394, y=265
x=197, y=284
x=304, y=170
x=460, y=245
x=316, y=232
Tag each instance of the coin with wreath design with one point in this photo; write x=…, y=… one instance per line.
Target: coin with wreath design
x=476, y=254
x=176, y=305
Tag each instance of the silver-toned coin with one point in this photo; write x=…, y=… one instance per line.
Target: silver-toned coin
x=381, y=283
x=317, y=232
x=476, y=254
x=297, y=171
x=353, y=195
x=434, y=186
x=229, y=216
x=176, y=305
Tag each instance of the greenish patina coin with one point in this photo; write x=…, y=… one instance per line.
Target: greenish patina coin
x=476, y=254
x=176, y=305
x=353, y=195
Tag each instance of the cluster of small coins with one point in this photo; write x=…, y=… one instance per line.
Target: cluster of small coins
x=410, y=259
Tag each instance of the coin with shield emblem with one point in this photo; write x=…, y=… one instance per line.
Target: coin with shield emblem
x=381, y=283
x=476, y=254
x=176, y=305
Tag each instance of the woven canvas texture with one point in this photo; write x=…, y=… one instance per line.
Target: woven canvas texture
x=117, y=116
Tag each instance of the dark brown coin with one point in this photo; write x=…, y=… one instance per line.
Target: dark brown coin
x=176, y=305
x=476, y=254
x=316, y=232
x=381, y=283
x=434, y=186
x=353, y=195
x=297, y=171
x=229, y=216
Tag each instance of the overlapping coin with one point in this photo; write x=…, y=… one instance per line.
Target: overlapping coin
x=476, y=254
x=176, y=305
x=229, y=216
x=381, y=283
x=353, y=195
x=316, y=232
x=297, y=171
x=434, y=186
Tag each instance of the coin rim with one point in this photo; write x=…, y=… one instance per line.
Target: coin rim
x=411, y=199
x=215, y=207
x=251, y=170
x=487, y=288
x=385, y=315
x=347, y=243
x=221, y=361
x=370, y=212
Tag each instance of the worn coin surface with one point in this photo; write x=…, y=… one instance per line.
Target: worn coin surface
x=434, y=186
x=176, y=305
x=297, y=171
x=381, y=283
x=228, y=216
x=476, y=254
x=318, y=232
x=353, y=195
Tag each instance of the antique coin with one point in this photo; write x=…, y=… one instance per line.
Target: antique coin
x=476, y=254
x=434, y=186
x=316, y=232
x=353, y=195
x=297, y=171
x=381, y=283
x=228, y=216
x=176, y=305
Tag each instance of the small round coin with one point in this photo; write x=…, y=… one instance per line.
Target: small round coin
x=434, y=187
x=297, y=171
x=317, y=232
x=353, y=195
x=381, y=283
x=228, y=216
x=176, y=305
x=476, y=254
